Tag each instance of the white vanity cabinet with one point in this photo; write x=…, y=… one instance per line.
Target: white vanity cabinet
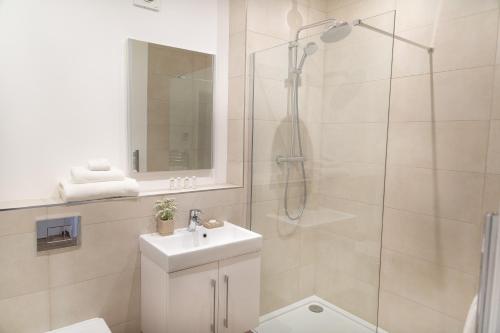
x=219, y=297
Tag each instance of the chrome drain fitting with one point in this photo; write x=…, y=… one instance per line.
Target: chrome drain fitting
x=315, y=308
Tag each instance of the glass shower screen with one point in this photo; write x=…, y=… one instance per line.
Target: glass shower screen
x=320, y=113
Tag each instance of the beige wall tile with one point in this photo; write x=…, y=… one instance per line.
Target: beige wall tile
x=494, y=148
x=98, y=212
x=306, y=280
x=270, y=99
x=237, y=16
x=458, y=95
x=344, y=255
x=358, y=102
x=257, y=42
x=281, y=254
x=235, y=140
x=350, y=9
x=235, y=173
x=278, y=18
x=270, y=138
x=354, y=143
x=264, y=218
x=116, y=298
x=445, y=290
x=448, y=194
x=23, y=270
x=207, y=199
x=133, y=326
x=279, y=290
x=364, y=226
x=353, y=181
x=402, y=315
x=20, y=220
x=495, y=114
x=456, y=45
x=347, y=292
x=310, y=104
x=107, y=248
x=269, y=64
x=237, y=54
x=444, y=242
x=25, y=314
x=492, y=194
x=236, y=98
x=233, y=213
x=429, y=12
x=363, y=59
x=459, y=146
x=334, y=4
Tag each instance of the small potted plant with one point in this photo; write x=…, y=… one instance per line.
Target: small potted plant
x=164, y=213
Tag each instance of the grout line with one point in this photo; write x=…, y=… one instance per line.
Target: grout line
x=422, y=305
x=27, y=294
x=448, y=20
x=461, y=69
x=406, y=166
x=429, y=215
x=429, y=261
x=117, y=273
x=411, y=166
x=452, y=220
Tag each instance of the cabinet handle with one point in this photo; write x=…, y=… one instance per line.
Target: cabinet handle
x=226, y=320
x=214, y=287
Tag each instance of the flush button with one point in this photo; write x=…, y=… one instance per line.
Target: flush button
x=57, y=233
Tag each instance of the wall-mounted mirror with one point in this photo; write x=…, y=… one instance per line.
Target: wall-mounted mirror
x=170, y=108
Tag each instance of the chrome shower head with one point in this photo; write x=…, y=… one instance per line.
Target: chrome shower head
x=335, y=32
x=309, y=49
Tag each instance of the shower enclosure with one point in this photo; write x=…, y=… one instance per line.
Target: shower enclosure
x=320, y=113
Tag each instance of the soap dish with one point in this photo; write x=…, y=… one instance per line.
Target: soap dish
x=210, y=224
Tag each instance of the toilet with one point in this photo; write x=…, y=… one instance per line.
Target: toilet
x=95, y=325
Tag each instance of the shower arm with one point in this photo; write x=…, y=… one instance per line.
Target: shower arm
x=312, y=25
x=294, y=45
x=360, y=23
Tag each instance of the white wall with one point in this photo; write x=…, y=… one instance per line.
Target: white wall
x=63, y=81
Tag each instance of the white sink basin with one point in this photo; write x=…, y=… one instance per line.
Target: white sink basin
x=186, y=249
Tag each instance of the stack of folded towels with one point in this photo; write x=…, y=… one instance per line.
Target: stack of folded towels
x=97, y=181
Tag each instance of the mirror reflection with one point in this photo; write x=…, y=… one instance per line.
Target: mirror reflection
x=170, y=108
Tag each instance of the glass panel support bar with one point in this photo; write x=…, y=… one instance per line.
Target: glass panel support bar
x=360, y=23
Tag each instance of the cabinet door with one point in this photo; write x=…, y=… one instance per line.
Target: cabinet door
x=192, y=302
x=239, y=293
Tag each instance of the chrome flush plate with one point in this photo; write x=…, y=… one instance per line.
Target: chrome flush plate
x=57, y=233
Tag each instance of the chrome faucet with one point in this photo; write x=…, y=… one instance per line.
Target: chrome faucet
x=194, y=219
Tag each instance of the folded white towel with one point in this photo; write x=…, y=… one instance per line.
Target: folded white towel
x=78, y=192
x=99, y=164
x=82, y=175
x=470, y=321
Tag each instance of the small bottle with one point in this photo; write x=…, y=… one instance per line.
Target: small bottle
x=172, y=183
x=193, y=182
x=186, y=182
x=178, y=183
